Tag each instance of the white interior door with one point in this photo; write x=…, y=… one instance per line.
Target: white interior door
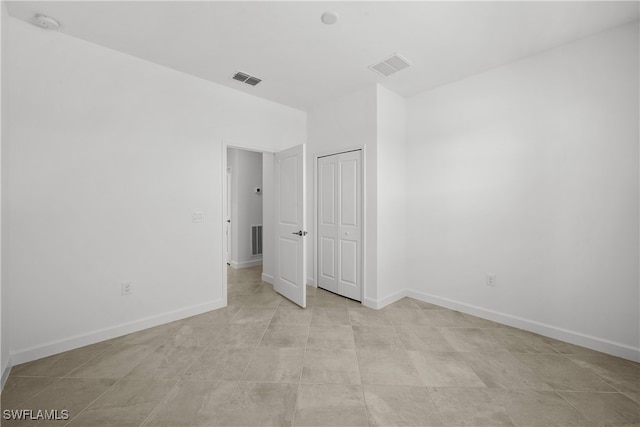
x=340, y=224
x=290, y=256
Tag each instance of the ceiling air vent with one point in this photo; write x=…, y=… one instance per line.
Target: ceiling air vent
x=391, y=65
x=246, y=78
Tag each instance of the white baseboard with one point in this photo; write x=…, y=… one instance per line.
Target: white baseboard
x=311, y=281
x=48, y=349
x=572, y=337
x=5, y=374
x=245, y=264
x=381, y=303
x=267, y=278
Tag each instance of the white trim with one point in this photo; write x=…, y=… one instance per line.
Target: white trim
x=267, y=278
x=223, y=207
x=311, y=281
x=245, y=264
x=5, y=374
x=38, y=352
x=381, y=303
x=572, y=337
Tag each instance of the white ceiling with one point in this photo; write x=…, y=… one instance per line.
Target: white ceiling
x=304, y=62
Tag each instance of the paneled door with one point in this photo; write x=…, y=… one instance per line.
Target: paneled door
x=340, y=224
x=290, y=255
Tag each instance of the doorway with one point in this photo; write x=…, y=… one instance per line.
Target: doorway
x=340, y=223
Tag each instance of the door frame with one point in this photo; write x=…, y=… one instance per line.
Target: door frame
x=363, y=163
x=223, y=204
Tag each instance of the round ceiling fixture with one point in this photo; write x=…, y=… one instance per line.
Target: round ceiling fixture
x=47, y=22
x=329, y=18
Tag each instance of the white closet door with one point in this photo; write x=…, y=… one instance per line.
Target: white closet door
x=340, y=224
x=328, y=223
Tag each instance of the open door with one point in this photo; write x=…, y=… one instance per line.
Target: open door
x=290, y=256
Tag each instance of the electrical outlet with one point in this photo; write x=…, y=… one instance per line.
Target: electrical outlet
x=127, y=288
x=491, y=280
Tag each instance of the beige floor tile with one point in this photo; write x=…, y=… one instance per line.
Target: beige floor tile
x=407, y=317
x=423, y=339
x=368, y=317
x=292, y=316
x=192, y=403
x=563, y=374
x=330, y=337
x=445, y=370
x=607, y=367
x=330, y=405
x=471, y=339
x=330, y=316
x=479, y=322
x=60, y=365
x=470, y=407
x=166, y=362
x=400, y=406
x=263, y=298
x=275, y=364
x=152, y=337
x=377, y=337
x=253, y=315
x=518, y=341
x=503, y=370
x=260, y=404
x=242, y=288
x=115, y=362
x=330, y=367
x=127, y=403
x=70, y=394
x=387, y=367
x=194, y=335
x=240, y=335
x=236, y=300
x=330, y=300
x=446, y=319
x=566, y=348
x=529, y=408
x=403, y=304
x=220, y=363
x=285, y=336
x=427, y=306
x=18, y=390
x=605, y=409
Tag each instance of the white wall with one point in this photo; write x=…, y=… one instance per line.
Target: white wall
x=108, y=156
x=4, y=306
x=346, y=123
x=391, y=203
x=246, y=204
x=530, y=171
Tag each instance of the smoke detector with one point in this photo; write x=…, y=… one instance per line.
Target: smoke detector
x=391, y=65
x=329, y=18
x=246, y=78
x=47, y=22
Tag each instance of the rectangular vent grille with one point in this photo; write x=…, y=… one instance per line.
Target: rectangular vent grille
x=256, y=240
x=246, y=78
x=391, y=65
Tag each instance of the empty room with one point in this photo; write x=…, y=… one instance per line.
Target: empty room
x=308, y=213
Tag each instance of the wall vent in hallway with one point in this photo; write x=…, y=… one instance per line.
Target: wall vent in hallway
x=256, y=240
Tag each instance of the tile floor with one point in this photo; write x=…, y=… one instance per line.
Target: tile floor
x=263, y=361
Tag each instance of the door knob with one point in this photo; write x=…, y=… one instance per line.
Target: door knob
x=300, y=233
